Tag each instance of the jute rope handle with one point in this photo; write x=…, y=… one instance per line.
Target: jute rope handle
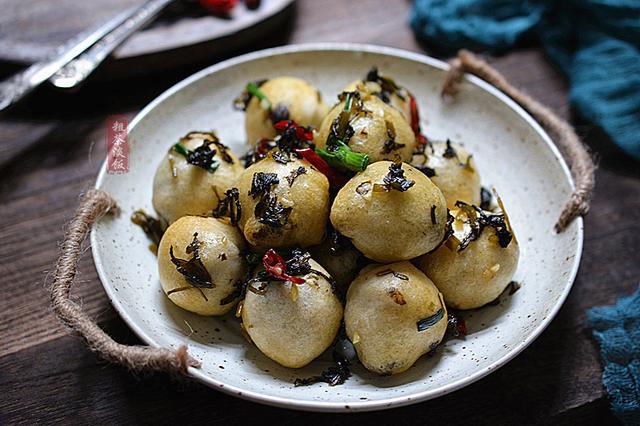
x=94, y=204
x=561, y=132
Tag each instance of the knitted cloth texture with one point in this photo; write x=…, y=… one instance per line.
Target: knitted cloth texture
x=617, y=330
x=596, y=43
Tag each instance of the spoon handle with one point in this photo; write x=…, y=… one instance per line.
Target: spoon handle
x=76, y=71
x=21, y=84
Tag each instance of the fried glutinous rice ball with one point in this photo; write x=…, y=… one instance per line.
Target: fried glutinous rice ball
x=193, y=174
x=475, y=265
x=283, y=205
x=452, y=169
x=287, y=98
x=369, y=126
x=292, y=323
x=386, y=89
x=394, y=315
x=199, y=261
x=391, y=212
x=337, y=254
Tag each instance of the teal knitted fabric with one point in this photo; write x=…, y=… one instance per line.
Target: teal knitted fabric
x=617, y=329
x=595, y=42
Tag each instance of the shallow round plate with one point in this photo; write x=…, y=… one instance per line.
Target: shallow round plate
x=512, y=153
x=176, y=38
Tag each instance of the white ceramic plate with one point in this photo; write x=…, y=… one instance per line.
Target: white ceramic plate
x=512, y=153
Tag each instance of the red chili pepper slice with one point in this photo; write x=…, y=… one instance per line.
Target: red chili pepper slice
x=281, y=125
x=415, y=120
x=275, y=266
x=461, y=327
x=303, y=133
x=336, y=179
x=415, y=115
x=263, y=146
x=219, y=7
x=252, y=4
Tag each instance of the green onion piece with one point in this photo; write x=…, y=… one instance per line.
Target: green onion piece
x=339, y=133
x=181, y=149
x=345, y=158
x=425, y=323
x=347, y=102
x=254, y=90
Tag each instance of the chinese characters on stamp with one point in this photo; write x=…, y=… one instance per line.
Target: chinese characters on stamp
x=117, y=144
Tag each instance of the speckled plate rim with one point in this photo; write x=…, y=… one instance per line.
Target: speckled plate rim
x=337, y=406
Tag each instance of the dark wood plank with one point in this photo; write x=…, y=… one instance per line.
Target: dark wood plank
x=48, y=376
x=100, y=392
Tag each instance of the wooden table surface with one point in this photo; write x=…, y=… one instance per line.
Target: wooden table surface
x=52, y=148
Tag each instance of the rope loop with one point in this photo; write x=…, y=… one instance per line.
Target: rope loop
x=95, y=204
x=561, y=132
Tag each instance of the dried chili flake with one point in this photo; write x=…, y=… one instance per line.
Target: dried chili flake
x=276, y=267
x=336, y=179
x=291, y=135
x=415, y=122
x=219, y=7
x=258, y=152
